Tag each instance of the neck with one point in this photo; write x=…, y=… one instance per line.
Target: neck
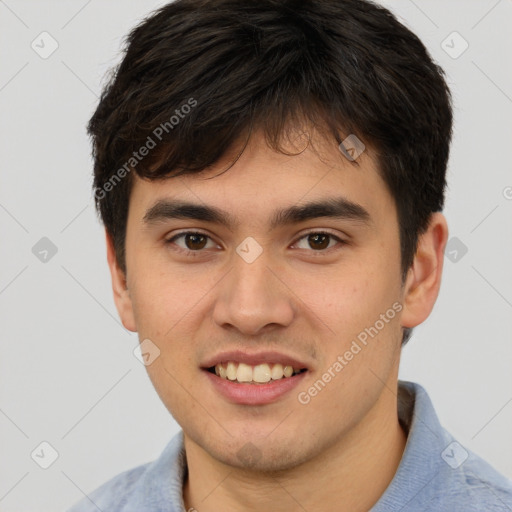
x=350, y=476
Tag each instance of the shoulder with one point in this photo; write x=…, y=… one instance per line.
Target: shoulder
x=153, y=486
x=113, y=494
x=437, y=473
x=474, y=486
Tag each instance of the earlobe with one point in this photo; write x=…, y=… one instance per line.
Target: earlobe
x=122, y=297
x=424, y=277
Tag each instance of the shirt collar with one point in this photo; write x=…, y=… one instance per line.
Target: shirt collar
x=421, y=461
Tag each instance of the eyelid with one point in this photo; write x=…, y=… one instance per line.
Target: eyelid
x=319, y=231
x=187, y=232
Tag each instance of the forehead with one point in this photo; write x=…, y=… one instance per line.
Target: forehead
x=262, y=180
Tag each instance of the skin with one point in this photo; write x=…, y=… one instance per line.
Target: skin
x=341, y=450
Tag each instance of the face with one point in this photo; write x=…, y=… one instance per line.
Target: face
x=256, y=269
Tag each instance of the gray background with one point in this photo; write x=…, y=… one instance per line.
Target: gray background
x=68, y=373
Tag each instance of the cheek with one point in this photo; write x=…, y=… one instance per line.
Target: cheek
x=362, y=310
x=160, y=298
x=350, y=299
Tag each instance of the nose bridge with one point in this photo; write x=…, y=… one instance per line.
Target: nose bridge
x=251, y=297
x=251, y=278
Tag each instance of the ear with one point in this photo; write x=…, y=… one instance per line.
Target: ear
x=119, y=287
x=424, y=277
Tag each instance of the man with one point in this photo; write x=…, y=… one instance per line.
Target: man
x=271, y=178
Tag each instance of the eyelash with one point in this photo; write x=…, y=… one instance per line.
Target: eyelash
x=305, y=235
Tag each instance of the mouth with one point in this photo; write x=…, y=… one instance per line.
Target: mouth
x=245, y=378
x=259, y=374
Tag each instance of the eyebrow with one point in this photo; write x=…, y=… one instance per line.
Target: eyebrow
x=333, y=207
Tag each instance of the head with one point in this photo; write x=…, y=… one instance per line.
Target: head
x=224, y=120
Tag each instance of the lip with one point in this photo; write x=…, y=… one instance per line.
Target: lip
x=254, y=394
x=254, y=359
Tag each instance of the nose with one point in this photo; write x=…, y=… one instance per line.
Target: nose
x=253, y=297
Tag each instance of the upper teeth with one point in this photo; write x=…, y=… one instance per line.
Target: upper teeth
x=259, y=373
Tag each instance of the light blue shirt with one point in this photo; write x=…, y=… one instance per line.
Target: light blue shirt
x=436, y=473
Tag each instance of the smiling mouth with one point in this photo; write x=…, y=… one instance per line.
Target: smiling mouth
x=254, y=374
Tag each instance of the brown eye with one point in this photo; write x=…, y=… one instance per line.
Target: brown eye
x=195, y=241
x=191, y=241
x=318, y=241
